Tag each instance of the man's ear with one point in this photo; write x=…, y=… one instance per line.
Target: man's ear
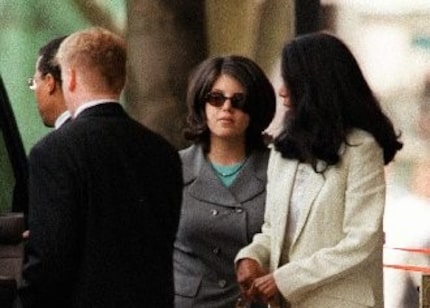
x=51, y=83
x=71, y=84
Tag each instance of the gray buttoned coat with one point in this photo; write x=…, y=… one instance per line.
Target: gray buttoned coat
x=216, y=222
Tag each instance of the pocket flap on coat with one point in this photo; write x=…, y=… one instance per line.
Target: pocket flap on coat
x=186, y=285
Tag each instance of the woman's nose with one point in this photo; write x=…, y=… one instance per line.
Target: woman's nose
x=227, y=104
x=282, y=92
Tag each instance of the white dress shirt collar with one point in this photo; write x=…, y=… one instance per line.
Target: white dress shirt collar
x=62, y=119
x=92, y=104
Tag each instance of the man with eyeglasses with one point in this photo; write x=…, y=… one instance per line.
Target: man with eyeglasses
x=46, y=84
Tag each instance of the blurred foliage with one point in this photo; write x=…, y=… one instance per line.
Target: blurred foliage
x=29, y=24
x=253, y=28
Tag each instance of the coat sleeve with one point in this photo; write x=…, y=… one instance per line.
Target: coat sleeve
x=362, y=237
x=259, y=248
x=52, y=249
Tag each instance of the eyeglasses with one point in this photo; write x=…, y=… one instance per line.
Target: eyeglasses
x=31, y=82
x=217, y=99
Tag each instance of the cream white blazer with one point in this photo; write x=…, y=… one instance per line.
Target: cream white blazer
x=335, y=258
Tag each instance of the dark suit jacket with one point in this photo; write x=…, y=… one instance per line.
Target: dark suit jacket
x=215, y=223
x=105, y=197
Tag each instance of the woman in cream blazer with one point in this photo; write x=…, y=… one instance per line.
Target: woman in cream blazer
x=321, y=242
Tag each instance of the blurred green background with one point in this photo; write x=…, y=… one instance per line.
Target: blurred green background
x=26, y=25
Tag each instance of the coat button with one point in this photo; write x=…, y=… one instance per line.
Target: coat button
x=216, y=250
x=214, y=212
x=239, y=210
x=222, y=283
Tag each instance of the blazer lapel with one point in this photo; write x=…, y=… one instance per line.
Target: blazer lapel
x=204, y=184
x=313, y=184
x=249, y=183
x=280, y=183
x=218, y=194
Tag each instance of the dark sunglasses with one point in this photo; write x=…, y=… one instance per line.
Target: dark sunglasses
x=217, y=99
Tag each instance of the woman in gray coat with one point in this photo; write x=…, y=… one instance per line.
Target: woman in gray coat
x=230, y=102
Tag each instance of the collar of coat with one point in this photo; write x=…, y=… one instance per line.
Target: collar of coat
x=205, y=185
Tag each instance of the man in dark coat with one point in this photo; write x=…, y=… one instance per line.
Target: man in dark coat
x=105, y=193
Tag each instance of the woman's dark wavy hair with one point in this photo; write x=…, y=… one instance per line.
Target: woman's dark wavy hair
x=329, y=97
x=260, y=98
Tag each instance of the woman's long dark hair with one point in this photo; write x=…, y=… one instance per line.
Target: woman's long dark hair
x=329, y=97
x=260, y=98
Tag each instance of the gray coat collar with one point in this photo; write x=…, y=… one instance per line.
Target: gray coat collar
x=205, y=185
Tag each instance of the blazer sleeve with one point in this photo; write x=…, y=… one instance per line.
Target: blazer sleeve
x=361, y=229
x=259, y=248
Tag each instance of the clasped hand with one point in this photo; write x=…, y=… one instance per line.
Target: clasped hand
x=255, y=284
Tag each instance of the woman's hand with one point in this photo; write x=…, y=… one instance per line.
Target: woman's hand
x=264, y=288
x=247, y=271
